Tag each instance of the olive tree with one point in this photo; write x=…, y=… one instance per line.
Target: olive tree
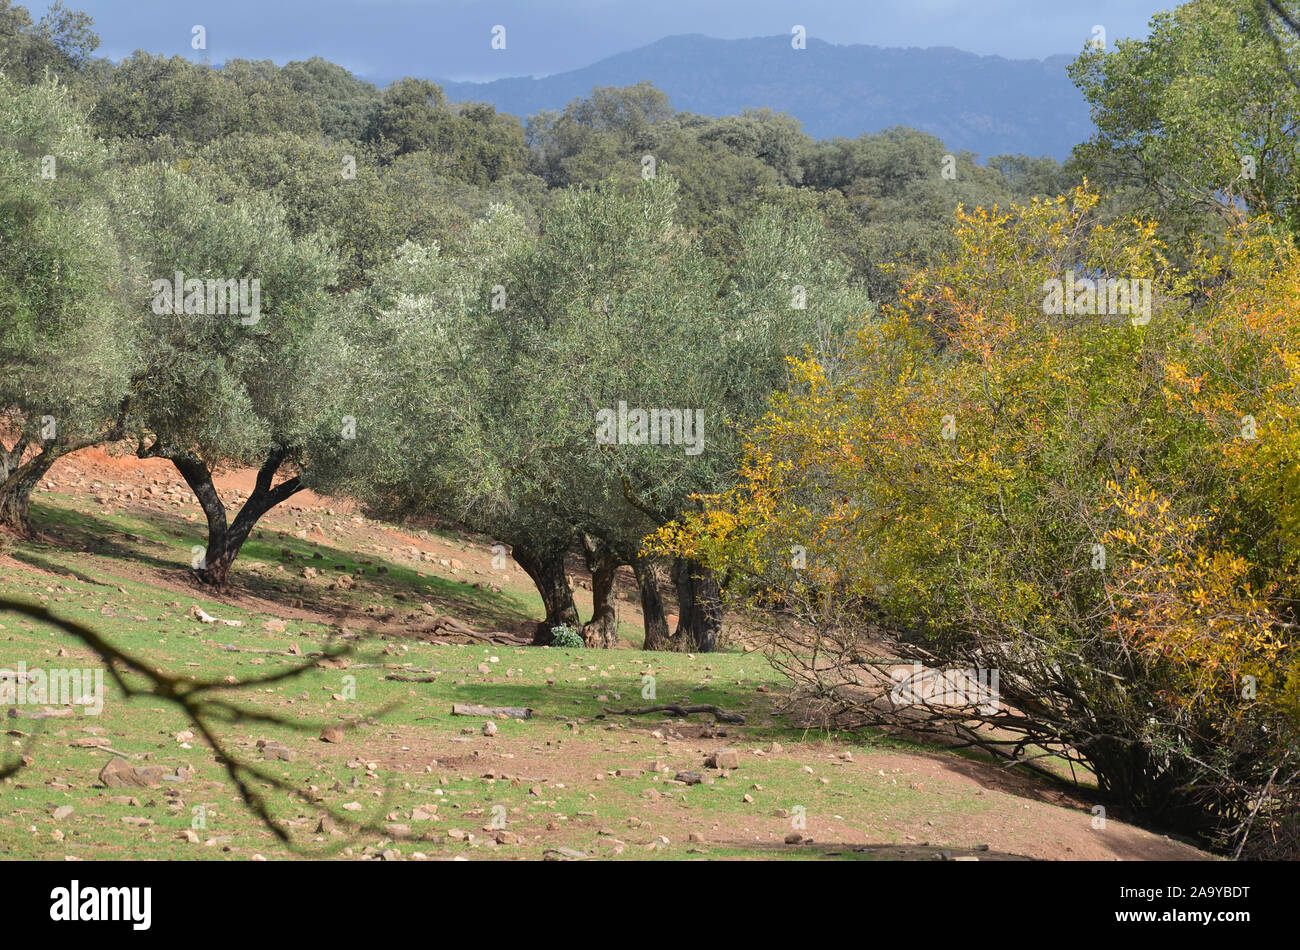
x=64, y=347
x=227, y=298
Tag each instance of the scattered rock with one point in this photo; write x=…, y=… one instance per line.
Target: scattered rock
x=201, y=615
x=273, y=750
x=723, y=759
x=563, y=854
x=119, y=773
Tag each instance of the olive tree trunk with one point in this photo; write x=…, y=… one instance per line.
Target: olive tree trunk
x=17, y=484
x=225, y=537
x=652, y=604
x=18, y=479
x=545, y=565
x=699, y=605
x=601, y=631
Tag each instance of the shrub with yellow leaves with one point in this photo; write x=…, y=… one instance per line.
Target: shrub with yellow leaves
x=1064, y=459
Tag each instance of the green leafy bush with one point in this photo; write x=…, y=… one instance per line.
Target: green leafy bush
x=566, y=638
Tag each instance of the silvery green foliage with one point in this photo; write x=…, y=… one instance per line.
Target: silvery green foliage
x=64, y=349
x=487, y=414
x=402, y=357
x=217, y=385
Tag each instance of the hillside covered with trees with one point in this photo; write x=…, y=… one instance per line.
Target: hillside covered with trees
x=861, y=397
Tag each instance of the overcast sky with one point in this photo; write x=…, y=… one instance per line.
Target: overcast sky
x=451, y=39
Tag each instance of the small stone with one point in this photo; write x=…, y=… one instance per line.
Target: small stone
x=724, y=759
x=273, y=750
x=489, y=728
x=332, y=734
x=563, y=854
x=119, y=773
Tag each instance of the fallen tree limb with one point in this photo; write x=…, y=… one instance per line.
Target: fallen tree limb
x=231, y=648
x=720, y=714
x=491, y=712
x=450, y=625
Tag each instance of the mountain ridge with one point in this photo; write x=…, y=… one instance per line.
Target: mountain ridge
x=986, y=104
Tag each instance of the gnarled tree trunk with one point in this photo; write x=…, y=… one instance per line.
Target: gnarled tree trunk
x=699, y=605
x=601, y=631
x=226, y=538
x=545, y=565
x=19, y=481
x=652, y=604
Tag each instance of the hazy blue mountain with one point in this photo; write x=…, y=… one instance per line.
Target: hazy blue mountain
x=987, y=104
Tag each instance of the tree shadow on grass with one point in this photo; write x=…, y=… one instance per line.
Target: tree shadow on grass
x=396, y=588
x=577, y=701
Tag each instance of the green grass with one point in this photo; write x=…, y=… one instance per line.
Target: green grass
x=422, y=754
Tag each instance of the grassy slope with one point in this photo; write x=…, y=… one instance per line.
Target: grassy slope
x=567, y=777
